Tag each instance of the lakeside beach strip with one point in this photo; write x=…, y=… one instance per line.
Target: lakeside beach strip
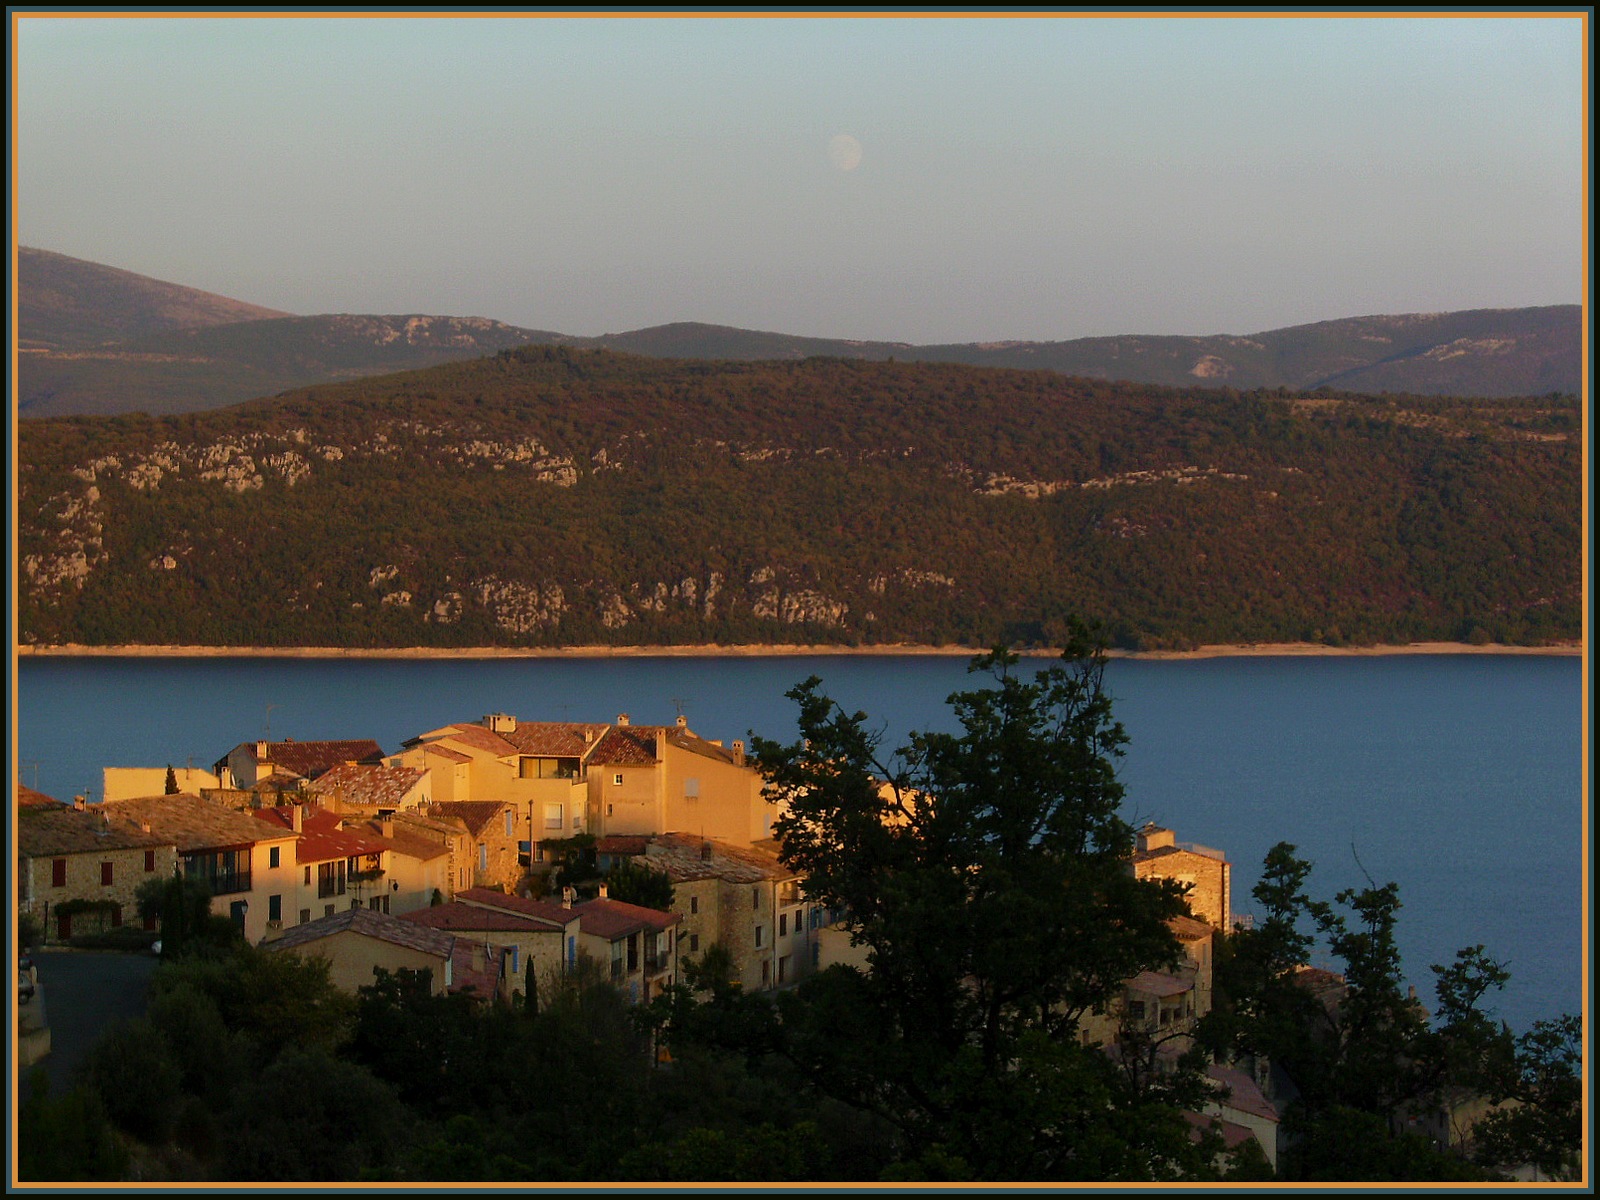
x=1260, y=650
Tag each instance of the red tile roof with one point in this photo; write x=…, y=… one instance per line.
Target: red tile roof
x=311, y=759
x=195, y=824
x=553, y=739
x=1159, y=983
x=621, y=843
x=59, y=829
x=682, y=856
x=612, y=919
x=480, y=738
x=539, y=910
x=367, y=785
x=626, y=745
x=1243, y=1093
x=458, y=916
x=28, y=798
x=446, y=753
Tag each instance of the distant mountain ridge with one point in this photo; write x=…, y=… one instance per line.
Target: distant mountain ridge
x=100, y=340
x=68, y=303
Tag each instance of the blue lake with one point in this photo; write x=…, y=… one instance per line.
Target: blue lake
x=1459, y=777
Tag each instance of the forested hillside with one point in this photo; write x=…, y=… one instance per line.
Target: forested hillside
x=552, y=495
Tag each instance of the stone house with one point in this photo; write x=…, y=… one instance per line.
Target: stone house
x=337, y=867
x=1206, y=872
x=249, y=762
x=358, y=941
x=635, y=945
x=494, y=837
x=79, y=866
x=540, y=931
x=248, y=865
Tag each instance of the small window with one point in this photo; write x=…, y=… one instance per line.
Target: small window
x=275, y=908
x=694, y=943
x=149, y=860
x=105, y=874
x=510, y=817
x=758, y=935
x=308, y=877
x=305, y=915
x=616, y=780
x=552, y=816
x=694, y=905
x=327, y=910
x=783, y=925
x=274, y=856
x=483, y=856
x=58, y=872
x=755, y=897
x=691, y=789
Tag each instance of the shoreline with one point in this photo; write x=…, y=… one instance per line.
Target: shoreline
x=712, y=650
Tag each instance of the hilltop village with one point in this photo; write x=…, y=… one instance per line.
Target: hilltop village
x=448, y=857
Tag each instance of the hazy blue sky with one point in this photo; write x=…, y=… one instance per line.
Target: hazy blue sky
x=1025, y=178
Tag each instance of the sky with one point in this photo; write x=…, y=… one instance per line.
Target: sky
x=923, y=180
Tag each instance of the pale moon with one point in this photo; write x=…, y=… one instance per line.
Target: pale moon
x=844, y=152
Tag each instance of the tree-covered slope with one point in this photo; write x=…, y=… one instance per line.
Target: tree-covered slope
x=551, y=495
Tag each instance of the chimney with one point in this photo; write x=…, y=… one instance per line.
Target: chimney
x=386, y=827
x=738, y=754
x=604, y=892
x=500, y=723
x=567, y=895
x=705, y=851
x=1153, y=837
x=261, y=752
x=78, y=803
x=297, y=818
x=683, y=721
x=145, y=825
x=622, y=718
x=661, y=744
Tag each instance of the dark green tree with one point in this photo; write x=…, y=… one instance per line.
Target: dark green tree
x=634, y=883
x=171, y=787
x=986, y=873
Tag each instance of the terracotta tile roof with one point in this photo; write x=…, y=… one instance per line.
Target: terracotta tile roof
x=479, y=738
x=682, y=857
x=539, y=910
x=1159, y=983
x=1243, y=1093
x=476, y=815
x=554, y=739
x=422, y=825
x=61, y=829
x=310, y=759
x=322, y=837
x=28, y=798
x=625, y=745
x=1234, y=1134
x=369, y=924
x=367, y=785
x=612, y=919
x=466, y=976
x=195, y=824
x=278, y=781
x=446, y=753
x=459, y=917
x=406, y=844
x=621, y=843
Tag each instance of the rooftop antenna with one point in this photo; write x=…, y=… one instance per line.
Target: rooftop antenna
x=679, y=701
x=34, y=763
x=270, y=707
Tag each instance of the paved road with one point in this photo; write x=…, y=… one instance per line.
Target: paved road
x=82, y=994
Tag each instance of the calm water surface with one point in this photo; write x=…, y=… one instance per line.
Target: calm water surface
x=1457, y=776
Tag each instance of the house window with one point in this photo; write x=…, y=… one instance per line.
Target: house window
x=691, y=789
x=616, y=780
x=755, y=897
x=327, y=910
x=694, y=905
x=275, y=856
x=509, y=819
x=275, y=908
x=783, y=968
x=783, y=926
x=799, y=922
x=330, y=879
x=694, y=943
x=149, y=860
x=766, y=973
x=224, y=871
x=116, y=916
x=105, y=874
x=758, y=935
x=483, y=857
x=305, y=915
x=308, y=877
x=58, y=872
x=1136, y=1009
x=552, y=816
